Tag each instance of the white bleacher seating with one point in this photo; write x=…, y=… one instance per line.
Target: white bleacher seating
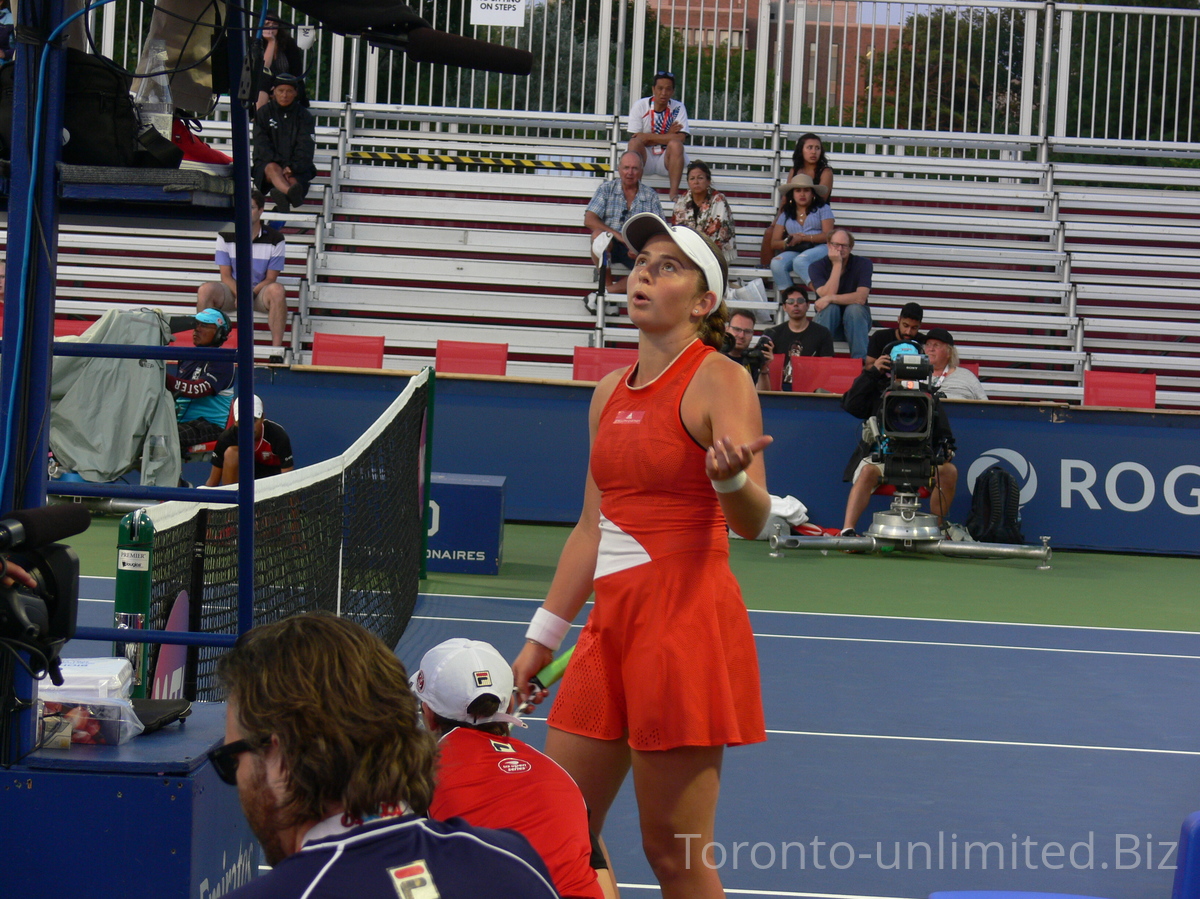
x=1039, y=268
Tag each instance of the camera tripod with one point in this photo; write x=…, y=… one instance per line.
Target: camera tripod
x=904, y=527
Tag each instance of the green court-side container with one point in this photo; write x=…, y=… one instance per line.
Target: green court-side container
x=135, y=564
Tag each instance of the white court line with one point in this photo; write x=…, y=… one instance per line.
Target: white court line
x=757, y=634
x=1098, y=652
x=475, y=620
x=1018, y=743
x=1069, y=627
x=1028, y=624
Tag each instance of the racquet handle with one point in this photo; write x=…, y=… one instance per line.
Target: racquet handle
x=552, y=672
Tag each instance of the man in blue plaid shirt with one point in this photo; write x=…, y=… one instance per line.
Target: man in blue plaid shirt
x=613, y=203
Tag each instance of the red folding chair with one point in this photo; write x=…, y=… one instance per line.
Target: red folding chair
x=830, y=374
x=466, y=357
x=347, y=350
x=591, y=363
x=1127, y=390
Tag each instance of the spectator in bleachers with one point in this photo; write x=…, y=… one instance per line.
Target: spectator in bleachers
x=203, y=390
x=739, y=334
x=954, y=381
x=908, y=327
x=842, y=281
x=280, y=56
x=659, y=125
x=809, y=159
x=798, y=336
x=272, y=450
x=284, y=145
x=801, y=232
x=613, y=203
x=269, y=254
x=706, y=210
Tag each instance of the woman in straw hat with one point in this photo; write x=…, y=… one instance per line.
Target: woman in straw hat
x=665, y=674
x=801, y=232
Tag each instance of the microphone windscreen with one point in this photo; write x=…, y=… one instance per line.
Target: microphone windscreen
x=429, y=45
x=50, y=524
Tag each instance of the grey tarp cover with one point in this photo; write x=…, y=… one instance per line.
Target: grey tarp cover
x=105, y=413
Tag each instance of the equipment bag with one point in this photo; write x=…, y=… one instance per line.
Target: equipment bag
x=98, y=113
x=995, y=515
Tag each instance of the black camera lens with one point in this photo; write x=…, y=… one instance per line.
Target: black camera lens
x=905, y=414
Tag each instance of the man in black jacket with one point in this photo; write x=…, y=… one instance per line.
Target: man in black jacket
x=284, y=145
x=865, y=469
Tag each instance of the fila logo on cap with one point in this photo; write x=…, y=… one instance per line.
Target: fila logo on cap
x=483, y=678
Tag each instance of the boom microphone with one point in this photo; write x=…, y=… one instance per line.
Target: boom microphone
x=432, y=46
x=39, y=527
x=397, y=26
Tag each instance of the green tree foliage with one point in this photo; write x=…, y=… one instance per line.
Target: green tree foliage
x=1132, y=77
x=952, y=69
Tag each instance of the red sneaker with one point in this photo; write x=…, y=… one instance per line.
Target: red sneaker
x=197, y=155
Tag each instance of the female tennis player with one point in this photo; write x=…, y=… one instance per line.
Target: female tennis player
x=665, y=673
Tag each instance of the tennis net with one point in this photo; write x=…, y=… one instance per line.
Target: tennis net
x=344, y=536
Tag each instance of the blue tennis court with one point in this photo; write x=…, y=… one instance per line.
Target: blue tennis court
x=907, y=756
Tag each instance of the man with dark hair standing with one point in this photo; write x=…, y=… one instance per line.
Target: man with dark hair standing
x=908, y=327
x=335, y=774
x=465, y=688
x=798, y=336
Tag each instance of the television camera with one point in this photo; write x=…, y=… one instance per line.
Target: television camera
x=911, y=439
x=38, y=620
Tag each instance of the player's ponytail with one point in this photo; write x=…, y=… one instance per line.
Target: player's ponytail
x=711, y=330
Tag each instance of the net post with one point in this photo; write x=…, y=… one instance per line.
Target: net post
x=131, y=610
x=191, y=668
x=427, y=459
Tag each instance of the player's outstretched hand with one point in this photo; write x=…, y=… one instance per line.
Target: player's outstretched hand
x=725, y=458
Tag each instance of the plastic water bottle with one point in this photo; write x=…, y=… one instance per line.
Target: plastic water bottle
x=155, y=106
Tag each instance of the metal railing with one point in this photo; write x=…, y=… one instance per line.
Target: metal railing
x=1074, y=77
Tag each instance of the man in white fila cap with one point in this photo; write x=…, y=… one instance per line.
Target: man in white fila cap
x=465, y=688
x=272, y=449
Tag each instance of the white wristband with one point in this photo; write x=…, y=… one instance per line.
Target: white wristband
x=548, y=629
x=732, y=484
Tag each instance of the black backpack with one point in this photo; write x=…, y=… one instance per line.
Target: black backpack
x=996, y=508
x=98, y=114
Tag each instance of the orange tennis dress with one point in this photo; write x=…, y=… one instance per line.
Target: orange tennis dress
x=667, y=655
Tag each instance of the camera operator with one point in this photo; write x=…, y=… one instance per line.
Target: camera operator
x=864, y=400
x=12, y=573
x=756, y=359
